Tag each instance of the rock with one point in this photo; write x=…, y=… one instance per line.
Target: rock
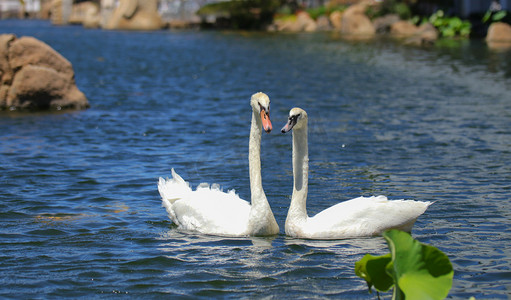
x=6, y=72
x=45, y=12
x=302, y=22
x=83, y=10
x=85, y=13
x=60, y=10
x=403, y=29
x=135, y=15
x=34, y=76
x=426, y=34
x=336, y=19
x=56, y=12
x=323, y=23
x=5, y=68
x=306, y=23
x=107, y=8
x=499, y=32
x=383, y=24
x=355, y=23
x=30, y=51
x=92, y=18
x=286, y=24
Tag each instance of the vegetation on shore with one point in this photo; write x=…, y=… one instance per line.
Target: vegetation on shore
x=259, y=14
x=240, y=14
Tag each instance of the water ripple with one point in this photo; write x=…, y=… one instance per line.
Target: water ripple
x=81, y=216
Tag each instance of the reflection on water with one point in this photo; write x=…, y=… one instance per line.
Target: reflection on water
x=246, y=266
x=80, y=214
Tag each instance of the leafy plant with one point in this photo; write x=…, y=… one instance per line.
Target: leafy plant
x=324, y=10
x=494, y=16
x=317, y=11
x=415, y=270
x=450, y=26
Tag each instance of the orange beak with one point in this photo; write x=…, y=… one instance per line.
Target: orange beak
x=265, y=118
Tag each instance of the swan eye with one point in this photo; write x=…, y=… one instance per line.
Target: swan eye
x=294, y=118
x=261, y=108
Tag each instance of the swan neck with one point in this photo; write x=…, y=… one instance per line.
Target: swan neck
x=261, y=220
x=298, y=208
x=254, y=160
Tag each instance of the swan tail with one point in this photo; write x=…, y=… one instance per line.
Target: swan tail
x=172, y=189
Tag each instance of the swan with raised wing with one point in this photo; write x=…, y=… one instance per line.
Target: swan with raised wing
x=209, y=210
x=359, y=217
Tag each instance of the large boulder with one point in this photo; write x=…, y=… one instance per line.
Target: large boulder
x=355, y=23
x=426, y=34
x=499, y=36
x=34, y=76
x=135, y=15
x=403, y=29
x=499, y=32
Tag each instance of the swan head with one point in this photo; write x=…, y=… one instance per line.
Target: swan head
x=297, y=119
x=260, y=103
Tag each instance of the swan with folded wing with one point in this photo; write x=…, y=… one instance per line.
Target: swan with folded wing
x=359, y=217
x=209, y=210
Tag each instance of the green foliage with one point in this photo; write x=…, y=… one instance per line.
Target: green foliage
x=450, y=26
x=397, y=7
x=286, y=13
x=494, y=16
x=217, y=8
x=243, y=14
x=415, y=270
x=284, y=10
x=325, y=10
x=316, y=12
x=371, y=266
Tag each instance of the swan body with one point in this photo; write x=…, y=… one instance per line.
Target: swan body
x=359, y=217
x=209, y=210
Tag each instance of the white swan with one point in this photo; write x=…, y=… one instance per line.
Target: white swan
x=359, y=217
x=211, y=211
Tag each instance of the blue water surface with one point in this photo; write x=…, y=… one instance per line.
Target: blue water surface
x=81, y=217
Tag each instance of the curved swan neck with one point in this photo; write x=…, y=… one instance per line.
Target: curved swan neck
x=261, y=219
x=298, y=208
x=254, y=160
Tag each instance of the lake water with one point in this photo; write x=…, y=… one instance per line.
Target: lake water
x=81, y=217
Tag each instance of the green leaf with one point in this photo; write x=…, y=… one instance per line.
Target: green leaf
x=420, y=271
x=448, y=32
x=499, y=15
x=486, y=16
x=455, y=22
x=465, y=31
x=372, y=269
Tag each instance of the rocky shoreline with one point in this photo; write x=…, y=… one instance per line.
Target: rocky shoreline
x=352, y=22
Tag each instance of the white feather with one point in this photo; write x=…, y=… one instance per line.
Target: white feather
x=359, y=217
x=209, y=210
